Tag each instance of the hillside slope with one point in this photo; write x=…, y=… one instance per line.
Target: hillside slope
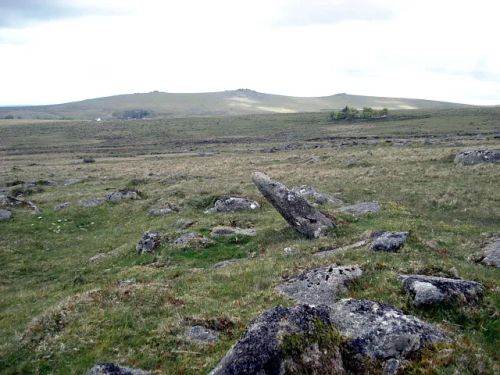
x=235, y=102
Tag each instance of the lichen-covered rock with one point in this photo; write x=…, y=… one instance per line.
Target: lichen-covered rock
x=313, y=196
x=294, y=208
x=432, y=290
x=230, y=231
x=184, y=223
x=163, y=210
x=201, y=334
x=61, y=206
x=361, y=208
x=473, y=157
x=388, y=241
x=489, y=255
x=125, y=194
x=233, y=204
x=283, y=340
x=320, y=286
x=380, y=333
x=91, y=202
x=113, y=369
x=5, y=215
x=149, y=242
x=193, y=240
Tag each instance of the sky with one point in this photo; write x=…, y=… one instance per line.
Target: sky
x=55, y=51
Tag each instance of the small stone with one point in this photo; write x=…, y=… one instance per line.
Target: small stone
x=192, y=240
x=5, y=215
x=61, y=206
x=149, y=242
x=91, y=202
x=201, y=335
x=97, y=257
x=328, y=253
x=233, y=204
x=112, y=369
x=362, y=208
x=226, y=263
x=388, y=241
x=229, y=231
x=290, y=250
x=163, y=210
x=473, y=157
x=88, y=160
x=119, y=195
x=184, y=223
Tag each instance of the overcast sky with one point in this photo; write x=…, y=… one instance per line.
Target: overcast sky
x=58, y=51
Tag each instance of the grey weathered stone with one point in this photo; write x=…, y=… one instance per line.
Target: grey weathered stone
x=232, y=204
x=184, y=223
x=431, y=290
x=5, y=214
x=380, y=332
x=313, y=196
x=91, y=202
x=192, y=240
x=303, y=217
x=201, y=335
x=388, y=241
x=361, y=208
x=119, y=195
x=163, y=210
x=149, y=242
x=113, y=369
x=230, y=231
x=61, y=206
x=10, y=201
x=226, y=263
x=327, y=253
x=320, y=286
x=473, y=157
x=261, y=349
x=490, y=254
x=72, y=181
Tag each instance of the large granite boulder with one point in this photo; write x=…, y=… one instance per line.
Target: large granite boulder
x=320, y=286
x=432, y=290
x=489, y=255
x=294, y=208
x=112, y=369
x=233, y=204
x=473, y=157
x=388, y=241
x=297, y=340
x=149, y=242
x=361, y=208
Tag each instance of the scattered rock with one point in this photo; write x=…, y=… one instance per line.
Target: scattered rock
x=61, y=206
x=163, y=210
x=72, y=181
x=320, y=286
x=303, y=217
x=229, y=231
x=432, y=290
x=5, y=214
x=192, y=240
x=315, y=197
x=88, y=160
x=97, y=257
x=290, y=250
x=473, y=157
x=327, y=253
x=378, y=332
x=91, y=202
x=149, y=242
x=201, y=335
x=314, y=159
x=184, y=223
x=388, y=241
x=232, y=204
x=285, y=340
x=361, y=208
x=489, y=255
x=10, y=201
x=124, y=194
x=112, y=369
x=226, y=263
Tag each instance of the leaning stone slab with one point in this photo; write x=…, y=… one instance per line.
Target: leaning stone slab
x=473, y=157
x=320, y=286
x=294, y=208
x=91, y=202
x=388, y=241
x=489, y=255
x=362, y=208
x=230, y=231
x=119, y=195
x=112, y=369
x=432, y=290
x=266, y=348
x=201, y=335
x=149, y=242
x=233, y=204
x=378, y=332
x=5, y=215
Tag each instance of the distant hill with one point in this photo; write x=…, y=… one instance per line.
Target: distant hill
x=234, y=102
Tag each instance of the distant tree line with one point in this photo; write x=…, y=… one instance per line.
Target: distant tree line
x=366, y=113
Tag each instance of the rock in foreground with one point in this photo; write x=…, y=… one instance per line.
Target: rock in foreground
x=320, y=286
x=388, y=241
x=233, y=204
x=303, y=217
x=490, y=254
x=112, y=369
x=295, y=340
x=5, y=215
x=362, y=208
x=149, y=242
x=477, y=157
x=432, y=290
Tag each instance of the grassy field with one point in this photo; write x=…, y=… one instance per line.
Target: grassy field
x=60, y=312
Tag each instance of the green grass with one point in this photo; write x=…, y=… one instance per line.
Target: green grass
x=450, y=211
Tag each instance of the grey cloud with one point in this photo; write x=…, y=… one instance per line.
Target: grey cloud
x=325, y=12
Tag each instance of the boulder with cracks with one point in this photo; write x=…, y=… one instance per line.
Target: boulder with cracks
x=233, y=204
x=149, y=242
x=388, y=241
